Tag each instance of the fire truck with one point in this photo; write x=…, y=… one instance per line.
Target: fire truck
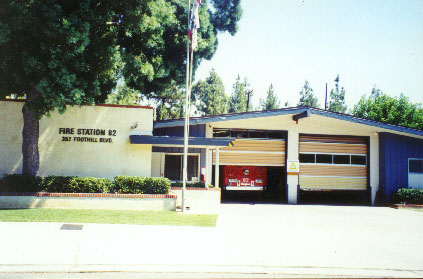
x=245, y=178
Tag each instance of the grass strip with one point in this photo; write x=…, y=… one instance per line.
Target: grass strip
x=107, y=217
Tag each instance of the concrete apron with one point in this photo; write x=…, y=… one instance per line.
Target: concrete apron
x=268, y=239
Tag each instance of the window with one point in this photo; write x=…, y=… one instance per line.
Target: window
x=358, y=160
x=307, y=158
x=174, y=167
x=221, y=133
x=257, y=134
x=341, y=159
x=415, y=173
x=239, y=134
x=415, y=165
x=323, y=159
x=192, y=169
x=337, y=159
x=242, y=133
x=275, y=135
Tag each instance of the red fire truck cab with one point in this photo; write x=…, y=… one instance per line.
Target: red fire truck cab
x=245, y=178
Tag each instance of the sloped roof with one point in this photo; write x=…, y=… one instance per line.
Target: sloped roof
x=286, y=111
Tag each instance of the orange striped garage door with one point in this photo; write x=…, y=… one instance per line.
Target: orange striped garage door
x=333, y=163
x=253, y=152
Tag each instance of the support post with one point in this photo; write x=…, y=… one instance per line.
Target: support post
x=292, y=154
x=216, y=173
x=206, y=173
x=186, y=126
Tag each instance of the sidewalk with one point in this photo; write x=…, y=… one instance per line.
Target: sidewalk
x=248, y=239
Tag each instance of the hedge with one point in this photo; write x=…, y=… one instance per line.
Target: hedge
x=73, y=184
x=140, y=185
x=20, y=183
x=410, y=196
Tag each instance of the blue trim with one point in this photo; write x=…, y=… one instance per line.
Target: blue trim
x=285, y=111
x=179, y=141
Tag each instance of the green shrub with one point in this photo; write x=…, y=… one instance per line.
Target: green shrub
x=127, y=185
x=157, y=185
x=92, y=184
x=406, y=195
x=72, y=184
x=58, y=184
x=20, y=183
x=140, y=185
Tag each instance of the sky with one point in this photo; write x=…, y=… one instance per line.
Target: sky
x=285, y=42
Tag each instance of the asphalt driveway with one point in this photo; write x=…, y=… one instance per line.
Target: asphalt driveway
x=249, y=239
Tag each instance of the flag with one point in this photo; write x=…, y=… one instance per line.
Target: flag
x=194, y=24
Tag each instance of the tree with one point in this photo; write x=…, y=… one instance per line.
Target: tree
x=171, y=103
x=398, y=111
x=241, y=94
x=271, y=101
x=307, y=97
x=209, y=95
x=337, y=98
x=57, y=52
x=123, y=95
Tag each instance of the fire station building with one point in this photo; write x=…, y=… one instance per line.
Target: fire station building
x=286, y=154
x=301, y=150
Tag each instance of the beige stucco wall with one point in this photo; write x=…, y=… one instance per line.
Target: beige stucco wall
x=114, y=157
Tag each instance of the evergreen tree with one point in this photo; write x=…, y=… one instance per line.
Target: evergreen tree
x=337, y=98
x=123, y=95
x=307, y=97
x=209, y=95
x=171, y=103
x=56, y=53
x=392, y=110
x=239, y=97
x=271, y=101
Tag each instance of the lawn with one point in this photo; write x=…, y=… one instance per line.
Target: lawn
x=107, y=217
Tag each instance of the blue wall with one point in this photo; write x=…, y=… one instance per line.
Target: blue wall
x=394, y=152
x=198, y=131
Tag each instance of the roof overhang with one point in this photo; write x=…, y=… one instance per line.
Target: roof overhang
x=179, y=141
x=296, y=111
x=228, y=117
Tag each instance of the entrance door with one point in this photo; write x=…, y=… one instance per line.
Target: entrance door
x=174, y=167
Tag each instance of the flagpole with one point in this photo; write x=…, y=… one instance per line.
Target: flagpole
x=186, y=126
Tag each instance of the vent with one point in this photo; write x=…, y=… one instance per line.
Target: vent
x=71, y=227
